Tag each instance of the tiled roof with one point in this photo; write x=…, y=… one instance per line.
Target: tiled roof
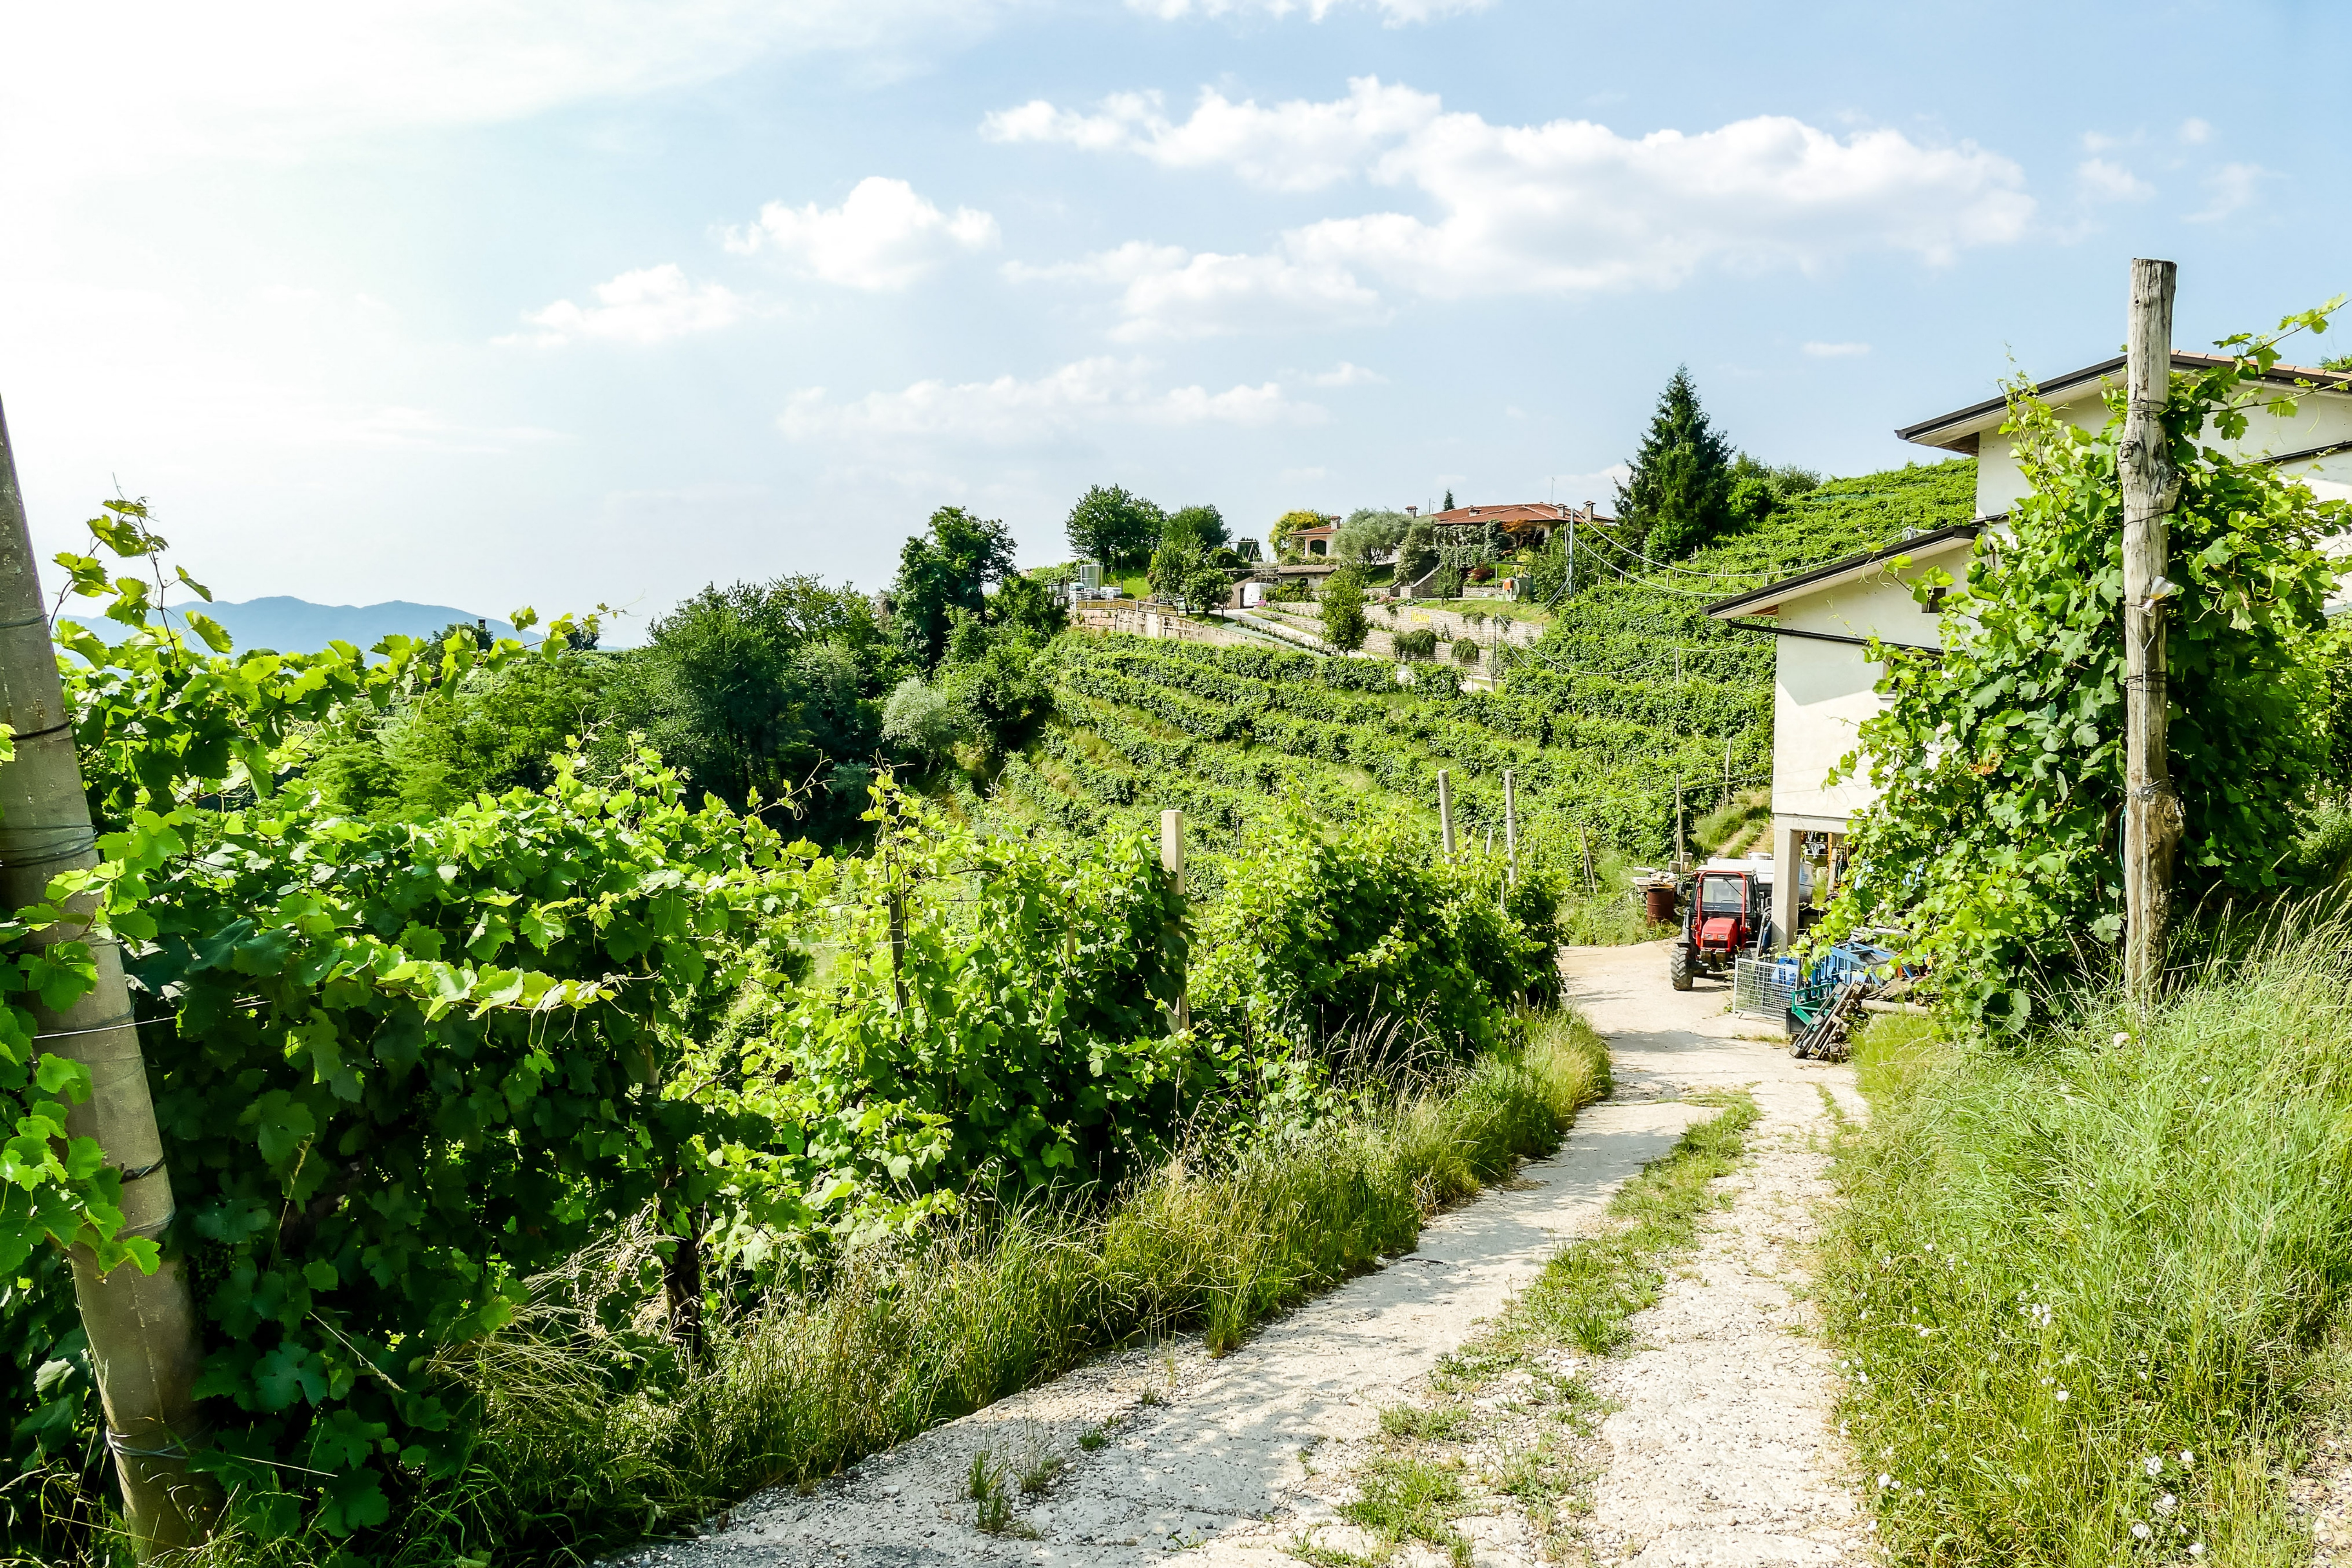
x=1518, y=514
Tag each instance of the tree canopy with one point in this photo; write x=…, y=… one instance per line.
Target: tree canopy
x=1116, y=527
x=950, y=568
x=1345, y=626
x=1370, y=531
x=761, y=688
x=1203, y=525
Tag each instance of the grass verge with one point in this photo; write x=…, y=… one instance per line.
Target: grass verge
x=571, y=1465
x=2086, y=1284
x=1424, y=1475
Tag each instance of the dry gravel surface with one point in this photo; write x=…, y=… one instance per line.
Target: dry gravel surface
x=1711, y=1441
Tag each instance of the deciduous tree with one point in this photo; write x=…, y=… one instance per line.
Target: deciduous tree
x=1344, y=622
x=1115, y=526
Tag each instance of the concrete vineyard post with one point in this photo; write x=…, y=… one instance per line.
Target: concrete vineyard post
x=1511, y=824
x=1445, y=813
x=1584, y=837
x=141, y=1327
x=1171, y=860
x=2152, y=818
x=1680, y=855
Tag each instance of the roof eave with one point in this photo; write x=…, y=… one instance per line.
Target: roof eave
x=1771, y=594
x=1960, y=430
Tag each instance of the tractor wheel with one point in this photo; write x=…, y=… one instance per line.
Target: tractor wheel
x=1679, y=967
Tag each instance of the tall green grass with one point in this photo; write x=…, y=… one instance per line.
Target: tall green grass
x=573, y=1461
x=2087, y=1286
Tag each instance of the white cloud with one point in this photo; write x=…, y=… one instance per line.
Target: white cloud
x=1572, y=207
x=1837, y=351
x=287, y=79
x=1393, y=13
x=882, y=236
x=1294, y=146
x=651, y=305
x=1346, y=375
x=1567, y=206
x=2195, y=131
x=2104, y=181
x=1010, y=412
x=2235, y=188
x=1169, y=293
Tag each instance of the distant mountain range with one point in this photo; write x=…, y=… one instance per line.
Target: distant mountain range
x=298, y=625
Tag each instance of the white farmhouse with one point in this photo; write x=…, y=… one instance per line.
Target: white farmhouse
x=1822, y=619
x=1824, y=687
x=2315, y=444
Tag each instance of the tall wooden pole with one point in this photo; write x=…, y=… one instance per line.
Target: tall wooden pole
x=2152, y=818
x=1511, y=824
x=1171, y=860
x=141, y=1327
x=1445, y=813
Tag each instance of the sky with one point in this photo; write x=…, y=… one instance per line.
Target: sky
x=491, y=304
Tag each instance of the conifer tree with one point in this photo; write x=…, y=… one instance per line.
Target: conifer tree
x=1678, y=496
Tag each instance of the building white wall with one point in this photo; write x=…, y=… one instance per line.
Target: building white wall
x=2319, y=418
x=1824, y=690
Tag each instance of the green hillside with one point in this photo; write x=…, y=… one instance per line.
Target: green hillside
x=1630, y=692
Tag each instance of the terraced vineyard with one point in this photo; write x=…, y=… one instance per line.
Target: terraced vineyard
x=1630, y=692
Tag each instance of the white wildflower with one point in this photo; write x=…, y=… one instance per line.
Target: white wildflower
x=2195, y=1549
x=1925, y=1331
x=2141, y=1531
x=2166, y=1503
x=2155, y=1464
x=2064, y=1396
x=1885, y=1479
x=2187, y=1460
x=2122, y=1040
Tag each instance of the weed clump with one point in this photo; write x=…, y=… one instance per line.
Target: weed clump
x=2085, y=1288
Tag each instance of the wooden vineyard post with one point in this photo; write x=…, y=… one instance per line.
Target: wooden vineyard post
x=1511, y=824
x=2152, y=818
x=141, y=1327
x=1445, y=813
x=1171, y=860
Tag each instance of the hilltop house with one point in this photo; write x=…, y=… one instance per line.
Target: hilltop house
x=1313, y=543
x=1823, y=688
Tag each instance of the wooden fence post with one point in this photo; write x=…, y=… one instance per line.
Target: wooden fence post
x=1511, y=824
x=2152, y=818
x=1171, y=860
x=142, y=1326
x=1445, y=813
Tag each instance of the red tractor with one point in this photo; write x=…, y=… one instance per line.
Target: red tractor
x=1724, y=916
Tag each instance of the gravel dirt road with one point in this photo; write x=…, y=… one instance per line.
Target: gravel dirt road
x=1721, y=1449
